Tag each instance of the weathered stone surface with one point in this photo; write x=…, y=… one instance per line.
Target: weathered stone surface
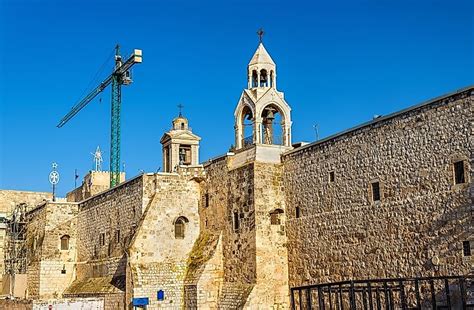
x=422, y=216
x=50, y=268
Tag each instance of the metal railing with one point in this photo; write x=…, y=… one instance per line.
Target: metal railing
x=453, y=292
x=247, y=141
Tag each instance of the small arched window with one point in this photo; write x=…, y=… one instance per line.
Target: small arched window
x=180, y=227
x=254, y=78
x=65, y=243
x=182, y=126
x=263, y=78
x=275, y=216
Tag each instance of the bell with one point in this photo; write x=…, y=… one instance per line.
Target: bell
x=270, y=114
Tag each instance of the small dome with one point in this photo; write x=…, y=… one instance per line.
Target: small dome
x=180, y=123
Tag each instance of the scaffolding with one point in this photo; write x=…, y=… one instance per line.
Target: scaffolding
x=16, y=250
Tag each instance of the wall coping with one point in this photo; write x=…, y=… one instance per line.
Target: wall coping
x=381, y=119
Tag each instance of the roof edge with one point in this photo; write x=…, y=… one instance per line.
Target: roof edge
x=381, y=119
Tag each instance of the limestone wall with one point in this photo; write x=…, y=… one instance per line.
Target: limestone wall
x=106, y=224
x=271, y=251
x=50, y=268
x=422, y=217
x=94, y=183
x=159, y=259
x=8, y=200
x=254, y=255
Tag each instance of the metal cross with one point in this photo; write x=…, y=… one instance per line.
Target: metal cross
x=260, y=34
x=180, y=107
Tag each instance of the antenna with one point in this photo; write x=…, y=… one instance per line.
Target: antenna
x=316, y=131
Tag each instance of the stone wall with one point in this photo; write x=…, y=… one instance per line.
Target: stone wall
x=106, y=224
x=51, y=268
x=253, y=251
x=159, y=259
x=94, y=183
x=271, y=289
x=417, y=228
x=8, y=200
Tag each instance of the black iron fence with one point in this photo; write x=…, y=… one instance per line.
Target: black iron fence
x=455, y=292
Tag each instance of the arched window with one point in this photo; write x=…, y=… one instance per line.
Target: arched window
x=247, y=126
x=272, y=125
x=263, y=78
x=254, y=78
x=180, y=227
x=275, y=216
x=65, y=243
x=182, y=126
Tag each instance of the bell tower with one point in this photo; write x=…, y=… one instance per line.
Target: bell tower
x=180, y=145
x=262, y=116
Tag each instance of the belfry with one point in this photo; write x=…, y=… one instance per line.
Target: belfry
x=262, y=115
x=180, y=145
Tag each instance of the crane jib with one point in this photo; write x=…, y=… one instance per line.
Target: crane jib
x=119, y=76
x=118, y=71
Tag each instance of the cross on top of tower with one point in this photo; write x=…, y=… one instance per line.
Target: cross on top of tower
x=180, y=107
x=260, y=34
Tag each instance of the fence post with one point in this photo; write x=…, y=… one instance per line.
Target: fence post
x=308, y=298
x=352, y=296
x=433, y=294
x=417, y=293
x=292, y=299
x=448, y=298
x=463, y=293
x=402, y=294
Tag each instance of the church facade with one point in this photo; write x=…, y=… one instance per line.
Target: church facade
x=390, y=198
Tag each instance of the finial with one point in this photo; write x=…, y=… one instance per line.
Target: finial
x=180, y=107
x=260, y=34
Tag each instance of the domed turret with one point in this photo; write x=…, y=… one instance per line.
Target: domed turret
x=180, y=145
x=180, y=123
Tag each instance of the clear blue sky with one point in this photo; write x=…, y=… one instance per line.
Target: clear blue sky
x=338, y=62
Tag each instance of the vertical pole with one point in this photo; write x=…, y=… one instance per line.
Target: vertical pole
x=448, y=297
x=369, y=291
x=463, y=293
x=402, y=295
x=308, y=299
x=417, y=294
x=352, y=296
x=292, y=299
x=433, y=294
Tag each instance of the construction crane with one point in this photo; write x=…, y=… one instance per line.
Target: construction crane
x=120, y=76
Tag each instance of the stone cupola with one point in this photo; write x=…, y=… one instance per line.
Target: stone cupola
x=180, y=145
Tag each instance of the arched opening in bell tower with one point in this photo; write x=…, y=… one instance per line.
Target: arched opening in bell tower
x=254, y=78
x=247, y=126
x=272, y=125
x=263, y=78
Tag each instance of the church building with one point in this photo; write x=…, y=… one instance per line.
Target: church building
x=271, y=224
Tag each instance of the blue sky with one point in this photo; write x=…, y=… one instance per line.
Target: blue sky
x=338, y=62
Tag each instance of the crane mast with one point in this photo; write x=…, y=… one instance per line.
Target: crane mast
x=120, y=76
